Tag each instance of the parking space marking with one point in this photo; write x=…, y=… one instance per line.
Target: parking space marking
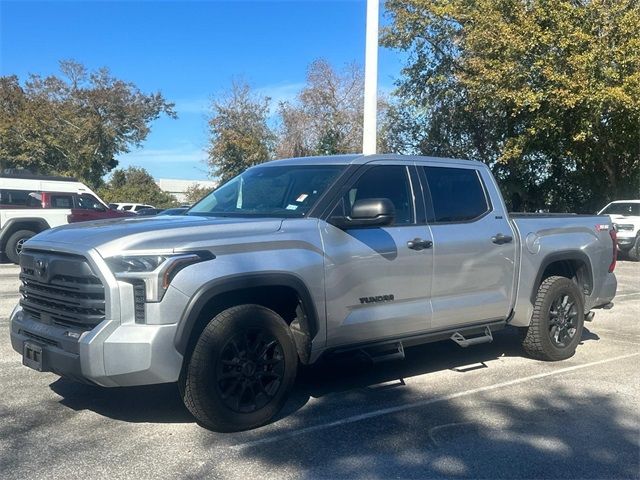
x=400, y=408
x=625, y=342
x=627, y=295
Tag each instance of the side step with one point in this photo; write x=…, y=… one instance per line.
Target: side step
x=384, y=352
x=467, y=342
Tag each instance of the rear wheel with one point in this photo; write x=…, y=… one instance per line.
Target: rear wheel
x=15, y=244
x=634, y=252
x=557, y=322
x=241, y=369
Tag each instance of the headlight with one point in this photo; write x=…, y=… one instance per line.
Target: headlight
x=624, y=226
x=156, y=271
x=135, y=263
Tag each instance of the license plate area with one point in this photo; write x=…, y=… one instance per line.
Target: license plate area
x=32, y=356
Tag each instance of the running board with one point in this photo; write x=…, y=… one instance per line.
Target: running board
x=467, y=342
x=384, y=352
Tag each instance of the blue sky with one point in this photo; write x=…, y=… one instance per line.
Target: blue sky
x=190, y=51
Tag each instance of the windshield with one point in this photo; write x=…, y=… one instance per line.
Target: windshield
x=288, y=191
x=622, y=209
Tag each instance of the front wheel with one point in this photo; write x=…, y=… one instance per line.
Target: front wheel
x=634, y=252
x=15, y=244
x=557, y=322
x=241, y=369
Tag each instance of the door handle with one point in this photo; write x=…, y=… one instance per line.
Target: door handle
x=499, y=238
x=419, y=244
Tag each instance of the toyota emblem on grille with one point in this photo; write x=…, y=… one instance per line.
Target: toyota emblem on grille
x=41, y=267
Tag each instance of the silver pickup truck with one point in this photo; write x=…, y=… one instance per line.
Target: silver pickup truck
x=296, y=259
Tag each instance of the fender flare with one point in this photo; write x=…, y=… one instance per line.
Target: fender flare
x=219, y=286
x=576, y=255
x=13, y=224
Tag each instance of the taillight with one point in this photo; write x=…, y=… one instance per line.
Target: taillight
x=614, y=238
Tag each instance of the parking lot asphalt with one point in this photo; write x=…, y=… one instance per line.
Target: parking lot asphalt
x=482, y=412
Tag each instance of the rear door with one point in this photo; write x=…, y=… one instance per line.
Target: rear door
x=474, y=246
x=376, y=286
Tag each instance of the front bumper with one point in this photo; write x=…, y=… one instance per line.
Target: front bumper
x=110, y=355
x=625, y=243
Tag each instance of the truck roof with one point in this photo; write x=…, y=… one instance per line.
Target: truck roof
x=359, y=158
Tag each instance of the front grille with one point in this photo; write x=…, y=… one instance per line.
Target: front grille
x=33, y=336
x=61, y=289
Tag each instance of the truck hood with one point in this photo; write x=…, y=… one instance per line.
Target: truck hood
x=167, y=233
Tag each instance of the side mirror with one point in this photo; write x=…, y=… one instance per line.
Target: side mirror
x=369, y=212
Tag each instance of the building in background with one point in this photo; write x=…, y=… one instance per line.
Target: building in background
x=178, y=188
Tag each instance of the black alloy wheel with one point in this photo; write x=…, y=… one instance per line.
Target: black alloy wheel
x=250, y=370
x=563, y=316
x=241, y=370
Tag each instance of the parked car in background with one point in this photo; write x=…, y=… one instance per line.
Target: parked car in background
x=130, y=207
x=625, y=215
x=32, y=203
x=148, y=212
x=175, y=211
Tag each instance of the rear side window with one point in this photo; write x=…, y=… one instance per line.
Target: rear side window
x=457, y=194
x=20, y=198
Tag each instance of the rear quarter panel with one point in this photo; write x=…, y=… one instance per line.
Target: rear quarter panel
x=544, y=239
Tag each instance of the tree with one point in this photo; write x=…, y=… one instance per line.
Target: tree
x=196, y=192
x=135, y=185
x=326, y=117
x=547, y=92
x=75, y=124
x=239, y=134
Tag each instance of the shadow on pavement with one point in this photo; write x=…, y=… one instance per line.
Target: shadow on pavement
x=349, y=372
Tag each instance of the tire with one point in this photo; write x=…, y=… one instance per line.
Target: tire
x=557, y=322
x=634, y=251
x=14, y=244
x=241, y=369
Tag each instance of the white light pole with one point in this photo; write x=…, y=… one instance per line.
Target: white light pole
x=370, y=80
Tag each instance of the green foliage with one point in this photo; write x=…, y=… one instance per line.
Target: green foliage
x=196, y=192
x=547, y=92
x=135, y=185
x=240, y=136
x=326, y=117
x=75, y=124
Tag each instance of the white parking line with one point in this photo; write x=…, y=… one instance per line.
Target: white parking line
x=408, y=406
x=627, y=295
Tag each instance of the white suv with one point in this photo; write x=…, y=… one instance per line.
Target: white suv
x=625, y=214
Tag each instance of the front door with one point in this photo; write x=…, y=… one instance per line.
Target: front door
x=377, y=284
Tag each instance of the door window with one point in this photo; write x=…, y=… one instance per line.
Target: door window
x=457, y=194
x=88, y=202
x=391, y=182
x=61, y=201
